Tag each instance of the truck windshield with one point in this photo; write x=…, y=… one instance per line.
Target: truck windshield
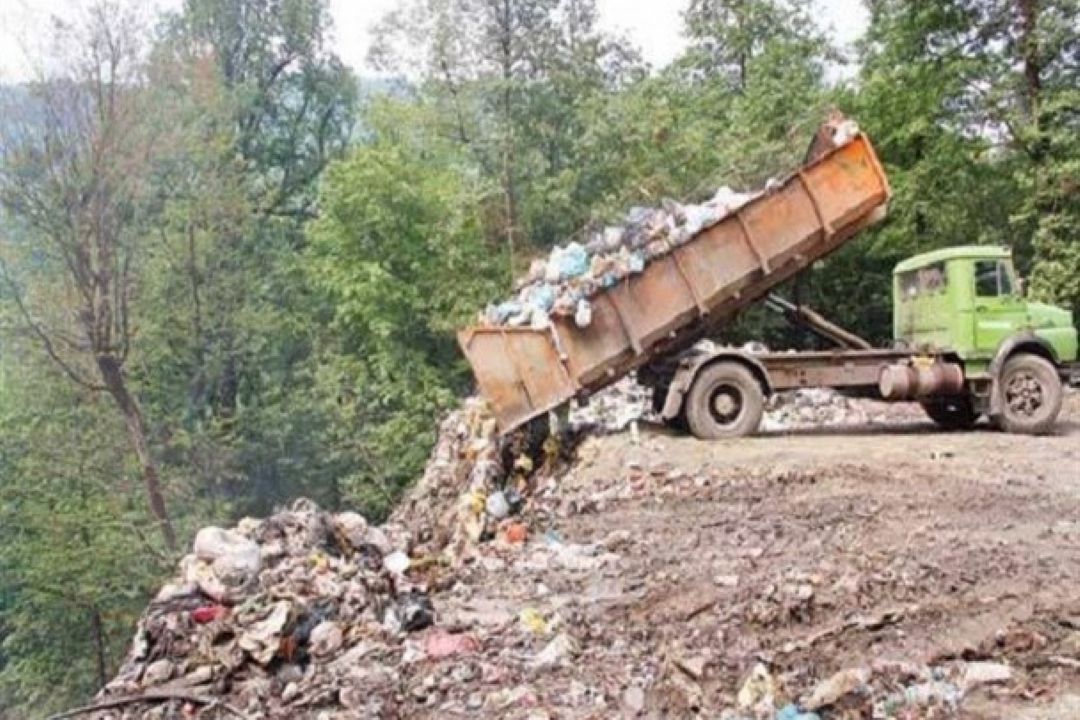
x=930, y=279
x=993, y=278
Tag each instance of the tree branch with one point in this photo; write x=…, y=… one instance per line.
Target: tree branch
x=43, y=336
x=149, y=697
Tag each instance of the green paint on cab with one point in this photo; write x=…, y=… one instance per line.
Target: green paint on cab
x=967, y=300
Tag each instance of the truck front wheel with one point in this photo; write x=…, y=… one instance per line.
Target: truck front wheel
x=724, y=401
x=1029, y=395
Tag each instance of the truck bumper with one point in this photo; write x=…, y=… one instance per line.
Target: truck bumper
x=1070, y=372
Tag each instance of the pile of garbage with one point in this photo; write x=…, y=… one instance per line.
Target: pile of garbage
x=625, y=403
x=614, y=408
x=443, y=511
x=808, y=408
x=316, y=614
x=563, y=283
x=278, y=611
x=475, y=484
x=308, y=609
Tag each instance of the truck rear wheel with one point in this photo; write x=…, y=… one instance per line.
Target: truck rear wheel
x=1029, y=395
x=724, y=401
x=954, y=413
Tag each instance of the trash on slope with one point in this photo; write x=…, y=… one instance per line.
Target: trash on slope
x=267, y=609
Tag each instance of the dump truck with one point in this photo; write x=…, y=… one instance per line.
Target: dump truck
x=966, y=343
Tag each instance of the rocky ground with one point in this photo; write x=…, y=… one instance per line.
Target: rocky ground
x=851, y=562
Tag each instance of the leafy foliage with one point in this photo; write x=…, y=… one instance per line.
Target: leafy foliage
x=78, y=555
x=400, y=256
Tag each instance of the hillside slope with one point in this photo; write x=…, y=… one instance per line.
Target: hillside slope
x=870, y=570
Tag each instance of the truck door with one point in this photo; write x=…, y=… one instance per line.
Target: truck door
x=999, y=310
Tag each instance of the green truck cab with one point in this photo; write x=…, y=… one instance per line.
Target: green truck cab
x=965, y=304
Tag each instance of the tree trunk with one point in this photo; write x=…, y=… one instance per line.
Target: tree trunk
x=511, y=204
x=113, y=377
x=506, y=48
x=97, y=636
x=1029, y=49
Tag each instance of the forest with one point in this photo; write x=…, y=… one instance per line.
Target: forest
x=231, y=267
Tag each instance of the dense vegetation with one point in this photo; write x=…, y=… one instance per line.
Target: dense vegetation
x=230, y=272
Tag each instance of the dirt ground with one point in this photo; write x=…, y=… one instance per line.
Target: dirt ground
x=893, y=547
x=869, y=568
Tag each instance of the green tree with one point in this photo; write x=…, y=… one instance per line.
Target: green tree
x=265, y=106
x=400, y=255
x=510, y=77
x=77, y=553
x=75, y=166
x=968, y=104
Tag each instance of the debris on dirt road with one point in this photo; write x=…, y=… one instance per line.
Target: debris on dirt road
x=806, y=577
x=626, y=402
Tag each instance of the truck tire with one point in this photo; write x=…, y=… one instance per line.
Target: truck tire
x=1029, y=395
x=725, y=401
x=955, y=413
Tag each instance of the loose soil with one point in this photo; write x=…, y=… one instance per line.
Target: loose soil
x=810, y=551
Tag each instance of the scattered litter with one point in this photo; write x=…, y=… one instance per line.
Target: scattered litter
x=516, y=533
x=497, y=505
x=984, y=673
x=843, y=683
x=759, y=690
x=441, y=644
x=397, y=562
x=560, y=650
x=534, y=621
x=792, y=712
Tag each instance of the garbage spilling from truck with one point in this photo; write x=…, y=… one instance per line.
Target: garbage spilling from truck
x=562, y=284
x=641, y=292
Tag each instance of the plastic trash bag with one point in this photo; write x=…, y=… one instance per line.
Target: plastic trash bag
x=570, y=262
x=501, y=313
x=699, y=217
x=613, y=238
x=540, y=296
x=583, y=314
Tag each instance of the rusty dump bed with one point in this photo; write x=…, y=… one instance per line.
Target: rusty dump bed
x=525, y=372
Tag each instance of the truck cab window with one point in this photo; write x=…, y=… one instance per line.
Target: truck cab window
x=932, y=278
x=909, y=285
x=1005, y=278
x=924, y=281
x=993, y=278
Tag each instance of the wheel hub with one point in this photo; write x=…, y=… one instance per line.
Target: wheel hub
x=1024, y=394
x=726, y=404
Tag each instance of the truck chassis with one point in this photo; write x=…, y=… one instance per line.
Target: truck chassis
x=720, y=392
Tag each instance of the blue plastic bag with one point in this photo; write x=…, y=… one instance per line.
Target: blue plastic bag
x=541, y=296
x=573, y=261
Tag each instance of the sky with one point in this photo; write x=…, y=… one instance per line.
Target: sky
x=651, y=24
